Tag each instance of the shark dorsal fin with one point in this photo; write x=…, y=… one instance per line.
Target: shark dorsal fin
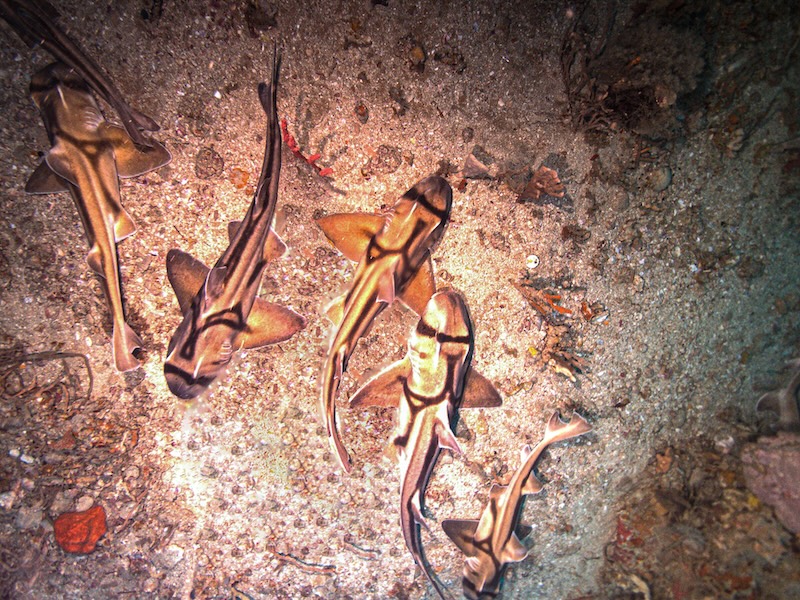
x=123, y=225
x=58, y=160
x=384, y=389
x=132, y=161
x=215, y=281
x=335, y=310
x=496, y=491
x=462, y=532
x=186, y=276
x=513, y=551
x=270, y=323
x=351, y=232
x=274, y=247
x=386, y=288
x=479, y=392
x=45, y=181
x=420, y=289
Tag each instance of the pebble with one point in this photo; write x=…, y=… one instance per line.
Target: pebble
x=660, y=179
x=84, y=503
x=28, y=518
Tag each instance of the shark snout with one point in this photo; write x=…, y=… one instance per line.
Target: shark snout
x=183, y=385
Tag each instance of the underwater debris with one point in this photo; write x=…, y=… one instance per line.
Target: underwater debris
x=291, y=142
x=79, y=532
x=545, y=182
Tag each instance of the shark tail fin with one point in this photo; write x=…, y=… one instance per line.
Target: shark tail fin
x=126, y=341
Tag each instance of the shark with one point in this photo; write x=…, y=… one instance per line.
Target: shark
x=493, y=541
x=222, y=313
x=428, y=386
x=86, y=158
x=393, y=254
x=34, y=22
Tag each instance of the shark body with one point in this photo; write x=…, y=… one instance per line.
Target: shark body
x=222, y=313
x=494, y=541
x=86, y=158
x=393, y=255
x=428, y=386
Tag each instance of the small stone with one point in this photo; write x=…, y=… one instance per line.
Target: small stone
x=208, y=163
x=84, y=503
x=28, y=518
x=150, y=585
x=362, y=113
x=660, y=179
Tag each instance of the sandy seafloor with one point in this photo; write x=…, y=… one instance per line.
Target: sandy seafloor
x=680, y=216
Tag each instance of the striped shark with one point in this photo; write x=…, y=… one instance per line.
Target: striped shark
x=221, y=311
x=87, y=157
x=34, y=22
x=494, y=541
x=393, y=255
x=428, y=386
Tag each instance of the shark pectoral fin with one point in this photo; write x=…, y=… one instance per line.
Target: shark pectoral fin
x=513, y=551
x=45, y=181
x=462, y=533
x=384, y=389
x=274, y=247
x=479, y=392
x=335, y=310
x=351, y=232
x=130, y=160
x=532, y=485
x=186, y=276
x=420, y=289
x=447, y=439
x=270, y=323
x=523, y=531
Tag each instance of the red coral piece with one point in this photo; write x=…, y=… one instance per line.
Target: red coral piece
x=78, y=532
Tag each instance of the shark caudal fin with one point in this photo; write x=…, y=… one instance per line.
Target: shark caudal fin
x=350, y=233
x=125, y=342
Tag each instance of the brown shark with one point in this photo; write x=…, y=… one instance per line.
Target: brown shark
x=86, y=158
x=221, y=311
x=494, y=540
x=34, y=22
x=428, y=386
x=393, y=254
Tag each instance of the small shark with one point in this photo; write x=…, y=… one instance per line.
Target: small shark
x=428, y=386
x=393, y=254
x=221, y=312
x=86, y=159
x=494, y=541
x=34, y=22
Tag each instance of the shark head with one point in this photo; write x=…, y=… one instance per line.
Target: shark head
x=200, y=351
x=442, y=336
